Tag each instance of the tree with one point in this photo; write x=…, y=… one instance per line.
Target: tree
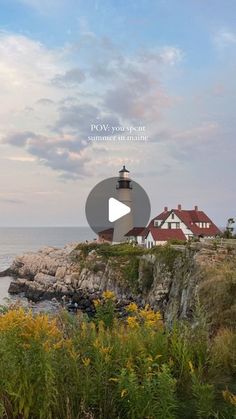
x=228, y=233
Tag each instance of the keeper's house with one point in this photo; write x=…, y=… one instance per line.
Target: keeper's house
x=179, y=224
x=174, y=224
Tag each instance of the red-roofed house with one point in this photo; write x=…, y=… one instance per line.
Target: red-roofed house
x=157, y=236
x=181, y=225
x=137, y=235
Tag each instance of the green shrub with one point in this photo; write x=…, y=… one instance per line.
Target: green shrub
x=105, y=309
x=177, y=242
x=69, y=367
x=203, y=397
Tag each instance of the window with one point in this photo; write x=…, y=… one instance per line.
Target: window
x=177, y=225
x=169, y=225
x=156, y=223
x=172, y=216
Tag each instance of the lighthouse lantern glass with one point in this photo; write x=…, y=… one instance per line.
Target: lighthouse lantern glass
x=124, y=175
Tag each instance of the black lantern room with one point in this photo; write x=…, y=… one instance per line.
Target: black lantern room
x=124, y=181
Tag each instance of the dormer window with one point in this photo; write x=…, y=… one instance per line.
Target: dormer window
x=156, y=223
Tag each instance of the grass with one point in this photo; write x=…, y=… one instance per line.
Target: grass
x=107, y=250
x=69, y=367
x=217, y=293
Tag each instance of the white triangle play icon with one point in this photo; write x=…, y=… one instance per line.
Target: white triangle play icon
x=117, y=209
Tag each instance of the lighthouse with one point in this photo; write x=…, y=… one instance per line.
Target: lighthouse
x=124, y=195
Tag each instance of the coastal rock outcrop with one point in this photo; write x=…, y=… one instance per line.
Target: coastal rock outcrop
x=168, y=279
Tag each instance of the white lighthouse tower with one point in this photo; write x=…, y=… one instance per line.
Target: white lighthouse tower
x=124, y=195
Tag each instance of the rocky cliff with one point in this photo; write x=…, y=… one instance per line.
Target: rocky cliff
x=171, y=278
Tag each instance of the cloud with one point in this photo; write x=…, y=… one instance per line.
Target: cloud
x=198, y=134
x=188, y=144
x=167, y=55
x=19, y=139
x=171, y=55
x=225, y=38
x=116, y=89
x=24, y=59
x=45, y=101
x=78, y=118
x=70, y=78
x=138, y=99
x=63, y=154
x=23, y=159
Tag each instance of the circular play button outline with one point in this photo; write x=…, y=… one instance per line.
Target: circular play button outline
x=97, y=205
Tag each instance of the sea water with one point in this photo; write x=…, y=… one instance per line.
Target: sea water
x=15, y=241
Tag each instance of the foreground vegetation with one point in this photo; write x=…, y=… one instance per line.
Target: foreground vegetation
x=71, y=367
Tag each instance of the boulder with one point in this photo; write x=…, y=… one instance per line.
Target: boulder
x=60, y=272
x=17, y=286
x=44, y=279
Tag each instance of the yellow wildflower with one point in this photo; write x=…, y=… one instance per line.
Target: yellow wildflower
x=191, y=367
x=86, y=361
x=46, y=346
x=229, y=397
x=59, y=344
x=108, y=295
x=72, y=353
x=96, y=343
x=132, y=308
x=96, y=303
x=107, y=358
x=105, y=350
x=84, y=326
x=132, y=322
x=92, y=326
x=37, y=327
x=12, y=319
x=150, y=317
x=68, y=344
x=123, y=392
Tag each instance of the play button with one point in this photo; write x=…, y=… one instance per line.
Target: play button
x=117, y=205
x=117, y=210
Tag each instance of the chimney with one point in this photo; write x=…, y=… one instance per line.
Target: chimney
x=179, y=207
x=196, y=208
x=165, y=209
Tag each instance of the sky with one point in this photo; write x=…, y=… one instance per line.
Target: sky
x=166, y=65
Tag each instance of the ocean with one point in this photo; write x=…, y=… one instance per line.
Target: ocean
x=15, y=241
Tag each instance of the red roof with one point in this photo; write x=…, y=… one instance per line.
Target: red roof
x=106, y=235
x=165, y=234
x=107, y=231
x=162, y=216
x=189, y=218
x=136, y=231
